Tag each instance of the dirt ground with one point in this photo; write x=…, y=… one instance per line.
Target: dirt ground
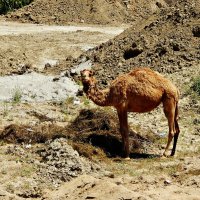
x=72, y=149
x=19, y=49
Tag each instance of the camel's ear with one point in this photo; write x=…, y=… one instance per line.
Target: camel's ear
x=92, y=73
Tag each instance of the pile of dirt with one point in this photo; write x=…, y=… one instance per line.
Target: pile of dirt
x=60, y=162
x=166, y=42
x=79, y=11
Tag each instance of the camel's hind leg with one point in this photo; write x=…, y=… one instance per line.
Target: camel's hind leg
x=169, y=110
x=177, y=130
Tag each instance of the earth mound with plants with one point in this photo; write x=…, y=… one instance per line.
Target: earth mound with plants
x=93, y=133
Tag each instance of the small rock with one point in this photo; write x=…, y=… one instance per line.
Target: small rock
x=167, y=182
x=109, y=174
x=90, y=197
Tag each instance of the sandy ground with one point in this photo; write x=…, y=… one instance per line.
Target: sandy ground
x=140, y=178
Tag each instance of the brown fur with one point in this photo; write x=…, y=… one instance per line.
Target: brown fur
x=140, y=91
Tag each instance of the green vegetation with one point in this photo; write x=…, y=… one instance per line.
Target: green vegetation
x=66, y=105
x=8, y=5
x=17, y=95
x=5, y=109
x=196, y=85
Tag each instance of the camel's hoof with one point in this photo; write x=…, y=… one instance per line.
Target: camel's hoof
x=127, y=158
x=165, y=155
x=172, y=154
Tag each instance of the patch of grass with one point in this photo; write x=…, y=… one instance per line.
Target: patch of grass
x=171, y=169
x=26, y=186
x=66, y=105
x=33, y=96
x=25, y=171
x=133, y=167
x=86, y=102
x=10, y=188
x=37, y=134
x=2, y=143
x=69, y=100
x=5, y=110
x=17, y=96
x=196, y=85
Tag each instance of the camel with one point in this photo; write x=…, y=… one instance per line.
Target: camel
x=140, y=90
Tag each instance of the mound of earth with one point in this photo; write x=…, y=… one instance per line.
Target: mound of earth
x=60, y=162
x=94, y=133
x=95, y=11
x=167, y=42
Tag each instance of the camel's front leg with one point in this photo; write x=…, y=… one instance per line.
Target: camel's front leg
x=124, y=130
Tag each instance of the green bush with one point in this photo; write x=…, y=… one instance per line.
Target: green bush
x=8, y=5
x=196, y=85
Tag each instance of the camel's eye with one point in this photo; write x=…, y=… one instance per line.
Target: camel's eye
x=90, y=74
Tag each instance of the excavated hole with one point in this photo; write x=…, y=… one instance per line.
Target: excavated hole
x=132, y=53
x=176, y=47
x=196, y=31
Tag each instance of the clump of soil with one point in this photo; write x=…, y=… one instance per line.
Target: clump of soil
x=166, y=42
x=96, y=11
x=30, y=135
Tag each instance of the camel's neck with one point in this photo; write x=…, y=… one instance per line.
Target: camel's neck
x=99, y=97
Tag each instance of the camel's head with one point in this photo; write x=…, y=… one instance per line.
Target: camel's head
x=87, y=77
x=88, y=80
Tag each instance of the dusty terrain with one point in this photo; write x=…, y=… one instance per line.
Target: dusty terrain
x=68, y=148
